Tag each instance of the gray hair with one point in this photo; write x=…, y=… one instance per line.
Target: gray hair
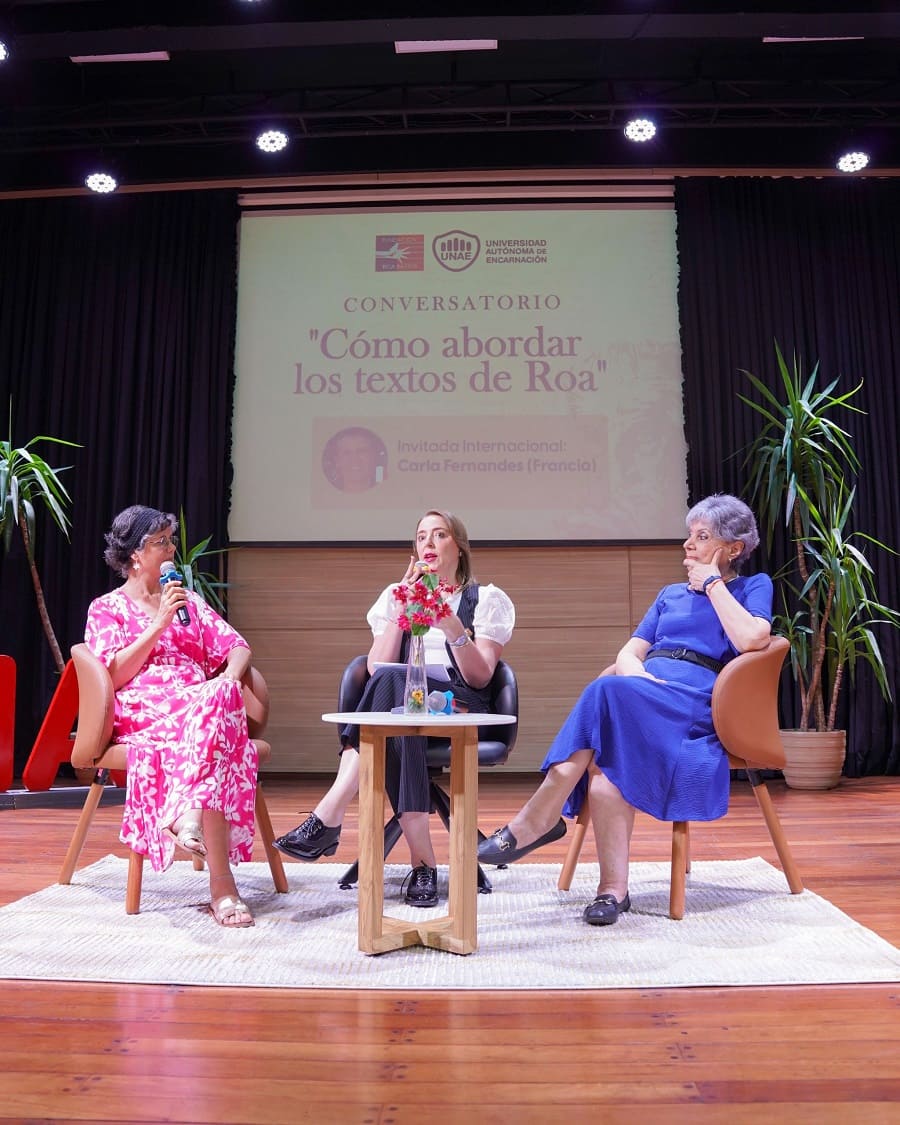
x=730, y=519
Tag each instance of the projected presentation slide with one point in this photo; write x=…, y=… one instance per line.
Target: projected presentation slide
x=518, y=367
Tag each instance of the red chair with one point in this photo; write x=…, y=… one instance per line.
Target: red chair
x=92, y=750
x=7, y=720
x=53, y=744
x=745, y=717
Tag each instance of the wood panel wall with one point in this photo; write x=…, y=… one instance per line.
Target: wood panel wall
x=303, y=612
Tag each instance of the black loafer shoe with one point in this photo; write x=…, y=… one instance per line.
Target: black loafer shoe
x=422, y=888
x=501, y=847
x=605, y=909
x=309, y=840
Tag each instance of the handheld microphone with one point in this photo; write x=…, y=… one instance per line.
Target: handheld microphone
x=169, y=573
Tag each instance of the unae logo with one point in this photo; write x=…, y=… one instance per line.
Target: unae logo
x=456, y=249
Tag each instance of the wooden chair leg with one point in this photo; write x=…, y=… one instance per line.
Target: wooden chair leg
x=764, y=800
x=133, y=886
x=91, y=801
x=267, y=835
x=680, y=866
x=575, y=844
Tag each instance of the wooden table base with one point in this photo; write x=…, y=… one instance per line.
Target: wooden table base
x=456, y=932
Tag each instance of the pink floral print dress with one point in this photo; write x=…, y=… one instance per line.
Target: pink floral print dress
x=186, y=734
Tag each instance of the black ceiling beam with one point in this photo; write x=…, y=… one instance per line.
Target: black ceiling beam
x=238, y=123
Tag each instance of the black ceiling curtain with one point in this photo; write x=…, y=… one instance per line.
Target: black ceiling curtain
x=815, y=265
x=117, y=319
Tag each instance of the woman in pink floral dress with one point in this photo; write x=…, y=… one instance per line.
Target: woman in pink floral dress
x=179, y=710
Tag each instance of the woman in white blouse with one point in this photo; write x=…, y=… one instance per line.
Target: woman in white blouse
x=467, y=643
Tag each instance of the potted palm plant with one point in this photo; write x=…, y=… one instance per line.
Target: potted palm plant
x=800, y=464
x=26, y=480
x=188, y=561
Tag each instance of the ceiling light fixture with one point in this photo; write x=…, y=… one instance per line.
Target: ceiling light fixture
x=272, y=140
x=128, y=56
x=101, y=182
x=4, y=51
x=812, y=38
x=852, y=161
x=429, y=46
x=640, y=129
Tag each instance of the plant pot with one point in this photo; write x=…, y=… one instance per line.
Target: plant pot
x=814, y=759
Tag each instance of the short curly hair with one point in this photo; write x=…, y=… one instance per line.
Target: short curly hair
x=730, y=519
x=129, y=532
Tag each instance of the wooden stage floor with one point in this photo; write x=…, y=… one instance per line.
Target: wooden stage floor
x=110, y=1053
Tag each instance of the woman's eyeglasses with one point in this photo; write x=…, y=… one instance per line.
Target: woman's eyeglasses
x=164, y=541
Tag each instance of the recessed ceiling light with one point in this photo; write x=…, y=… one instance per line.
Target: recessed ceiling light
x=101, y=182
x=272, y=140
x=427, y=46
x=852, y=161
x=640, y=129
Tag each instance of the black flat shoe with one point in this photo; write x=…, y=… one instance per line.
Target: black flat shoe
x=501, y=847
x=422, y=889
x=605, y=909
x=309, y=840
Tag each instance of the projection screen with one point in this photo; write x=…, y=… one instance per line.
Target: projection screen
x=518, y=366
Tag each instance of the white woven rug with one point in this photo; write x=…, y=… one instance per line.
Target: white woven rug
x=741, y=927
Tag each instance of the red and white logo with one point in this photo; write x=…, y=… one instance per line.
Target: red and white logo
x=396, y=252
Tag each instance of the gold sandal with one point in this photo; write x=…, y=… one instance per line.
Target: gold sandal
x=189, y=837
x=226, y=907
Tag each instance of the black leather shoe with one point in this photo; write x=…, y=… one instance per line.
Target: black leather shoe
x=605, y=909
x=422, y=886
x=501, y=847
x=309, y=840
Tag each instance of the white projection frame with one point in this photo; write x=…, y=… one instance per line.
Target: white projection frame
x=516, y=363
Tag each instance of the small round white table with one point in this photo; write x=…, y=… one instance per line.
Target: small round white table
x=457, y=931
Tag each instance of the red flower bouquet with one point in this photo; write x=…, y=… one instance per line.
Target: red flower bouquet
x=421, y=606
x=422, y=603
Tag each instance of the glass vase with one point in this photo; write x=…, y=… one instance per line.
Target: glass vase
x=416, y=688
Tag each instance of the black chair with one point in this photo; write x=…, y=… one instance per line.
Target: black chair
x=495, y=744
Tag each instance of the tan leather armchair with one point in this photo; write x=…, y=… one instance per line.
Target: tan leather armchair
x=92, y=749
x=745, y=717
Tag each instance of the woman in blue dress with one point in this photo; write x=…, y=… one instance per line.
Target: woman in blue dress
x=648, y=730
